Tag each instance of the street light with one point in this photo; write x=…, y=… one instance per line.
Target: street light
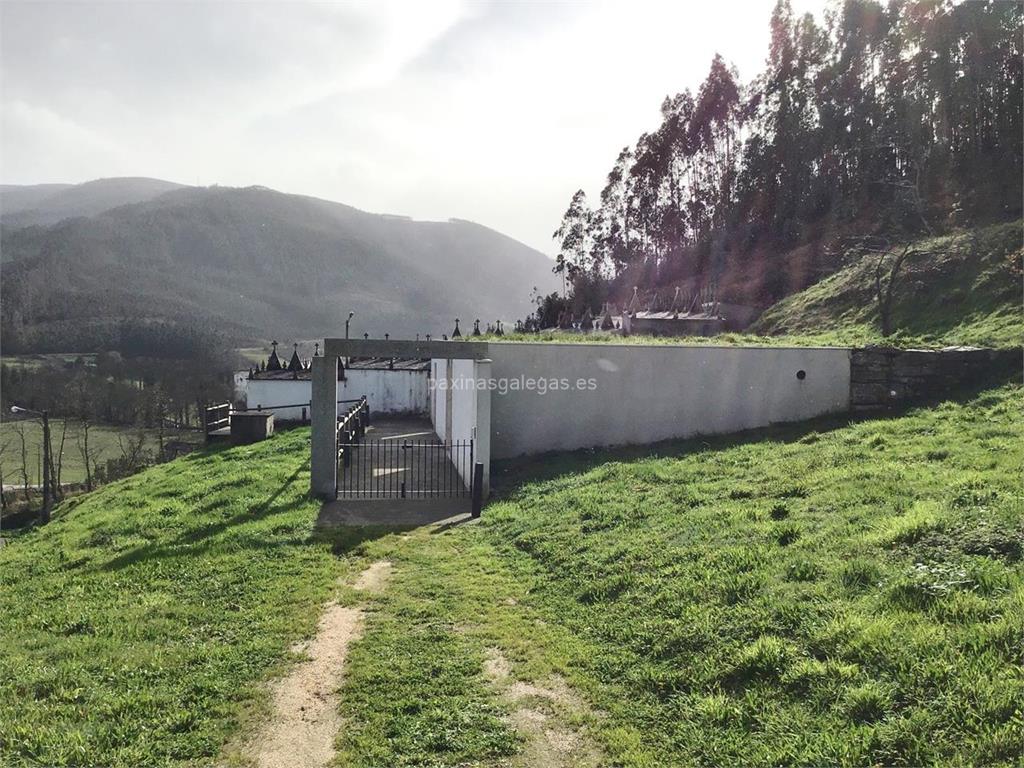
x=44, y=513
x=351, y=314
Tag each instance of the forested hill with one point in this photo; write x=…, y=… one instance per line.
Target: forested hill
x=900, y=119
x=256, y=263
x=22, y=206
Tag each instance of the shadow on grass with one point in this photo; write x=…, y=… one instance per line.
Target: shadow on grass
x=509, y=475
x=202, y=539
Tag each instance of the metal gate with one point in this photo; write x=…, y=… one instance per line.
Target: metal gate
x=376, y=469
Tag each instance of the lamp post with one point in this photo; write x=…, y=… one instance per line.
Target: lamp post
x=44, y=513
x=348, y=320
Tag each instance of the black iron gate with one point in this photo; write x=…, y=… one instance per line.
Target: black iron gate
x=395, y=468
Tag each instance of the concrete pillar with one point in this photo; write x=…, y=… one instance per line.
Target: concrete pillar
x=482, y=430
x=324, y=415
x=449, y=397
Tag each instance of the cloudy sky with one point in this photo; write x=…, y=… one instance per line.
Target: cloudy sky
x=489, y=111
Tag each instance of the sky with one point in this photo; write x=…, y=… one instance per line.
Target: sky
x=494, y=112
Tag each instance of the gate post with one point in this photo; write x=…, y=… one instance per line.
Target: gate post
x=482, y=430
x=323, y=476
x=478, y=488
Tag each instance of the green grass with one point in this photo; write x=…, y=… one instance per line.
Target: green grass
x=829, y=593
x=135, y=626
x=838, y=595
x=103, y=440
x=968, y=292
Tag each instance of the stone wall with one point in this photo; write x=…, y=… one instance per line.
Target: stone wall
x=883, y=378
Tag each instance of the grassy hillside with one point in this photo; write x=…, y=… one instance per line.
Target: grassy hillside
x=134, y=626
x=826, y=593
x=968, y=292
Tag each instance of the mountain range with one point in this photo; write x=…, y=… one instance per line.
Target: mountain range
x=251, y=263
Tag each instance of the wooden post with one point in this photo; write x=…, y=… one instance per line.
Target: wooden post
x=478, y=488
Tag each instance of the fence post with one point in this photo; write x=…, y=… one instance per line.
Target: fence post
x=478, y=488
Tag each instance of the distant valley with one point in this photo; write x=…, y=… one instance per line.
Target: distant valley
x=247, y=262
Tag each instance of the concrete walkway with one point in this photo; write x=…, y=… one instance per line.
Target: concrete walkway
x=379, y=465
x=402, y=513
x=429, y=476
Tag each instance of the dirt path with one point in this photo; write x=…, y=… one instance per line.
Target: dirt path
x=539, y=713
x=305, y=720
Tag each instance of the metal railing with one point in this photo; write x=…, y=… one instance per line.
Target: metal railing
x=352, y=426
x=400, y=469
x=216, y=417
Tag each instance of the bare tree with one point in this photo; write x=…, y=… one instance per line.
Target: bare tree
x=132, y=450
x=890, y=259
x=57, y=466
x=20, y=429
x=89, y=454
x=4, y=447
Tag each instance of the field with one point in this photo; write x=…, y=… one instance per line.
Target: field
x=102, y=438
x=839, y=592
x=47, y=359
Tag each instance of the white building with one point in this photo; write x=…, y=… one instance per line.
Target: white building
x=393, y=387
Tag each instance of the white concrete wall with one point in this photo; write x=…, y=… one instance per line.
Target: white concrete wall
x=270, y=393
x=388, y=392
x=438, y=400
x=463, y=402
x=627, y=394
x=460, y=406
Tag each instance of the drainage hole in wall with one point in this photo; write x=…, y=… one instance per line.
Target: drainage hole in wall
x=801, y=375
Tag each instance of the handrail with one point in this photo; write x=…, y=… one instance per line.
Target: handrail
x=261, y=407
x=351, y=428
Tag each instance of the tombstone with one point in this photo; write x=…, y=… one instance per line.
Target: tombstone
x=476, y=327
x=366, y=337
x=456, y=334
